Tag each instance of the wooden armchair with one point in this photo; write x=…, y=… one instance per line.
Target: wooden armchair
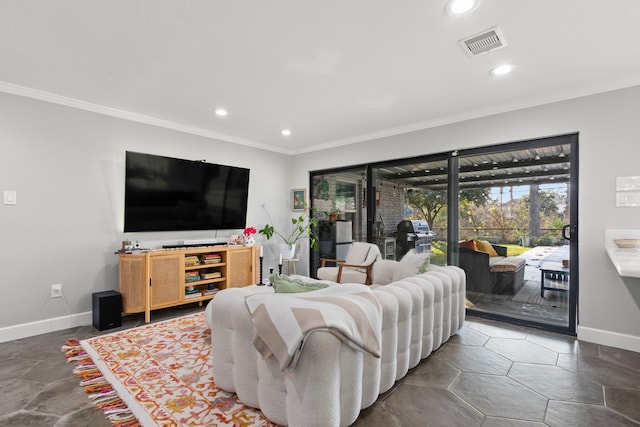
x=356, y=268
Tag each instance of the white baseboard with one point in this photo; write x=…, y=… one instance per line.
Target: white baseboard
x=611, y=339
x=30, y=329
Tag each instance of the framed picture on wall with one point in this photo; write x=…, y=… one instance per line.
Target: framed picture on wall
x=298, y=199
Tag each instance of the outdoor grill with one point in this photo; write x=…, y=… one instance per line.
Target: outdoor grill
x=413, y=234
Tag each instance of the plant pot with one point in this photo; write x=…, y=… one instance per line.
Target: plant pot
x=286, y=252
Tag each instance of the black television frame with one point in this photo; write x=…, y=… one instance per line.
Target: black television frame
x=171, y=194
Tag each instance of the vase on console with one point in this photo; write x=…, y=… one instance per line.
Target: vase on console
x=248, y=234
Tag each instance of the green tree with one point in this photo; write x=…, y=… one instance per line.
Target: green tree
x=430, y=203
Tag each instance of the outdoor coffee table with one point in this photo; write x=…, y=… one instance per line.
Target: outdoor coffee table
x=556, y=271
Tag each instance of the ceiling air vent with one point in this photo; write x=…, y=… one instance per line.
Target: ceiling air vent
x=483, y=42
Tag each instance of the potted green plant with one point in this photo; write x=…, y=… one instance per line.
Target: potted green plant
x=303, y=226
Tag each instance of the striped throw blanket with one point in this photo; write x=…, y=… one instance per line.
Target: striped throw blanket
x=282, y=322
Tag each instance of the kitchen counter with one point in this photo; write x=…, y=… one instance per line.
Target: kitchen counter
x=626, y=261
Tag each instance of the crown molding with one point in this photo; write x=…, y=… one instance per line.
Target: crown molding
x=131, y=116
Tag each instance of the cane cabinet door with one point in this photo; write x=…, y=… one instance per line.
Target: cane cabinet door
x=167, y=280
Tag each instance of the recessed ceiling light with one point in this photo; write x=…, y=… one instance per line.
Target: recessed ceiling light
x=286, y=132
x=459, y=7
x=502, y=70
x=221, y=112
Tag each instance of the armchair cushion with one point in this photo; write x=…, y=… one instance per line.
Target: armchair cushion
x=358, y=253
x=356, y=268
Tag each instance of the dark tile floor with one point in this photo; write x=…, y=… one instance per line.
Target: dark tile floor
x=489, y=374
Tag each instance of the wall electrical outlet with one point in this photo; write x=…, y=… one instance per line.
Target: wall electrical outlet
x=56, y=291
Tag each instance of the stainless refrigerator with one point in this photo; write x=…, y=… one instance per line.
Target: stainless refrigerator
x=335, y=239
x=344, y=235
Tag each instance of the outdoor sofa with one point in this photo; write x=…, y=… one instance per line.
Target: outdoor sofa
x=489, y=269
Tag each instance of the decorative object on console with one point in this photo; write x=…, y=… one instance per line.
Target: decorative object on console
x=236, y=240
x=249, y=238
x=302, y=227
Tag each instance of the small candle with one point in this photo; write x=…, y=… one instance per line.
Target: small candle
x=280, y=261
x=260, y=251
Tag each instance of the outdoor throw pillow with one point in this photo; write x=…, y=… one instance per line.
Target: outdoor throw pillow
x=288, y=284
x=411, y=264
x=469, y=244
x=484, y=246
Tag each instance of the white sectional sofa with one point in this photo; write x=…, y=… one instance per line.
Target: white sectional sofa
x=331, y=382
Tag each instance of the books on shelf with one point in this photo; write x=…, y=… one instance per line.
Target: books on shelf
x=191, y=260
x=210, y=291
x=211, y=258
x=210, y=275
x=196, y=294
x=191, y=276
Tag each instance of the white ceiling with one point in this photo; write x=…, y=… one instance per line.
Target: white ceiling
x=332, y=71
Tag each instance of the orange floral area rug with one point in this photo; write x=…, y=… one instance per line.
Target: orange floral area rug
x=158, y=375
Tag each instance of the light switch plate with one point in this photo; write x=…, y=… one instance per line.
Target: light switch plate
x=10, y=197
x=628, y=199
x=628, y=183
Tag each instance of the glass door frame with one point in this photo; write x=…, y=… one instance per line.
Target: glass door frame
x=573, y=291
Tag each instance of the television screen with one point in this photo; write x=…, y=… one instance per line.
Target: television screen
x=167, y=194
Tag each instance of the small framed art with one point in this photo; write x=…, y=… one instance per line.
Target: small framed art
x=298, y=199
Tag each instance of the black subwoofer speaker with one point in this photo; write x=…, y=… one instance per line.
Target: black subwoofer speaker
x=107, y=310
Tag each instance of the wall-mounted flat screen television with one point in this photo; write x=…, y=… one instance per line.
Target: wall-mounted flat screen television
x=168, y=194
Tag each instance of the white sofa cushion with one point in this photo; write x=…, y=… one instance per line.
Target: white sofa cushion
x=411, y=264
x=383, y=271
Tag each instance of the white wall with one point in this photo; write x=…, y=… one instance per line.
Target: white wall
x=609, y=306
x=67, y=166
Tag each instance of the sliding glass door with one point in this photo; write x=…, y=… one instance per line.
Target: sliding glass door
x=518, y=198
x=522, y=204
